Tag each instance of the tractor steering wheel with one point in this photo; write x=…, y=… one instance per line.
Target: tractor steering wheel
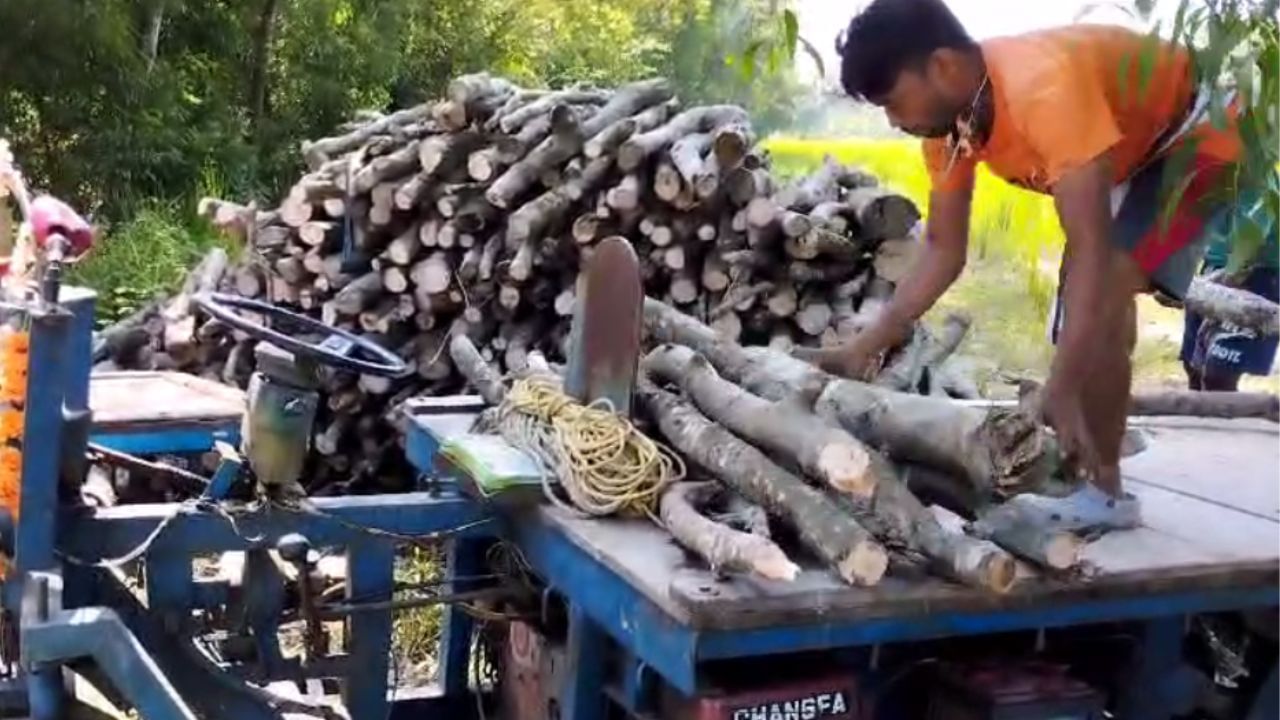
x=339, y=349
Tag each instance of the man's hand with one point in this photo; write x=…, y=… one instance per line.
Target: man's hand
x=857, y=359
x=1063, y=409
x=937, y=267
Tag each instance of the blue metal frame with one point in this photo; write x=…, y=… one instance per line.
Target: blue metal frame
x=676, y=651
x=149, y=644
x=171, y=441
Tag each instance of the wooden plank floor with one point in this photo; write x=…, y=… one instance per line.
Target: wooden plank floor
x=1211, y=511
x=124, y=401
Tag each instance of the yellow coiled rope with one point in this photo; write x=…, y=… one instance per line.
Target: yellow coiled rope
x=603, y=463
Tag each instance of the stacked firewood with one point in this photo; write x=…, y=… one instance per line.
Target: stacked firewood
x=473, y=215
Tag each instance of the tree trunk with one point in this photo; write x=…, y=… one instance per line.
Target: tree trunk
x=828, y=454
x=1206, y=404
x=1238, y=307
x=479, y=374
x=720, y=545
x=638, y=148
x=999, y=450
x=260, y=60
x=836, y=538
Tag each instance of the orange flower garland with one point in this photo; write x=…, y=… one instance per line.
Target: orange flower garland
x=14, y=360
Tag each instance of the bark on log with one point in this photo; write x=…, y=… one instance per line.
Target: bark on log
x=440, y=155
x=395, y=166
x=1233, y=305
x=479, y=374
x=827, y=454
x=627, y=101
x=548, y=210
x=512, y=122
x=836, y=538
x=721, y=546
x=1206, y=404
x=317, y=152
x=518, y=178
x=997, y=450
x=687, y=155
x=882, y=214
x=638, y=148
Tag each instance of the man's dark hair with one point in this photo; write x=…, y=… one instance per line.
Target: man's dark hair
x=890, y=36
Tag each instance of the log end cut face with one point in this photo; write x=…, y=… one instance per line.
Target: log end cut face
x=848, y=468
x=864, y=565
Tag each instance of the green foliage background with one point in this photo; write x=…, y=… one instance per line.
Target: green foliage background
x=134, y=137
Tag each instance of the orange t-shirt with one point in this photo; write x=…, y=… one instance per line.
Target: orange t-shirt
x=1060, y=102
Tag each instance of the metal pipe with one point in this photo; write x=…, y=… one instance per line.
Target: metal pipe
x=338, y=611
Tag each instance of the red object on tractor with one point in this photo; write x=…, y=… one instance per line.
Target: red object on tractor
x=50, y=216
x=1023, y=691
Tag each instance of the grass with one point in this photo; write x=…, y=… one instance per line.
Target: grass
x=142, y=257
x=1015, y=247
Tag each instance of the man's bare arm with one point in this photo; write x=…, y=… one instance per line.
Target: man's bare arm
x=1083, y=199
x=937, y=267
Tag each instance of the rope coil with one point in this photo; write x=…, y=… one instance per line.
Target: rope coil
x=602, y=462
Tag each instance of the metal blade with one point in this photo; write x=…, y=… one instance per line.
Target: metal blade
x=604, y=344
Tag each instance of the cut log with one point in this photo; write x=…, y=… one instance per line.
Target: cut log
x=814, y=189
x=814, y=315
x=321, y=234
x=835, y=537
x=894, y=258
x=1238, y=307
x=641, y=123
x=1206, y=404
x=479, y=374
x=730, y=144
x=627, y=193
x=627, y=101
x=638, y=148
x=404, y=247
x=667, y=184
x=360, y=294
x=518, y=99
x=882, y=214
x=513, y=121
x=413, y=191
x=433, y=274
x=548, y=210
x=394, y=167
x=687, y=155
x=1027, y=538
x=715, y=273
x=827, y=454
x=317, y=152
x=993, y=450
x=518, y=178
x=783, y=301
x=441, y=155
x=395, y=279
x=722, y=547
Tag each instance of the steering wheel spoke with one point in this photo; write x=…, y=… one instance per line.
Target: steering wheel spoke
x=338, y=345
x=339, y=349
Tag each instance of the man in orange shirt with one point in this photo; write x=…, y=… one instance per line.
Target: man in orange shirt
x=1048, y=111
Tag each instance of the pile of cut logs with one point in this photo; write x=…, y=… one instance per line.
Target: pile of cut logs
x=473, y=215
x=845, y=467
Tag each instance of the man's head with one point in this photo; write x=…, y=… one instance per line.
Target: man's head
x=914, y=59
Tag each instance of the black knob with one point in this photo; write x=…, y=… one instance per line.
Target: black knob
x=294, y=548
x=8, y=533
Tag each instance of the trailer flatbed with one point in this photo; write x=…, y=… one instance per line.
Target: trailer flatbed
x=1210, y=542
